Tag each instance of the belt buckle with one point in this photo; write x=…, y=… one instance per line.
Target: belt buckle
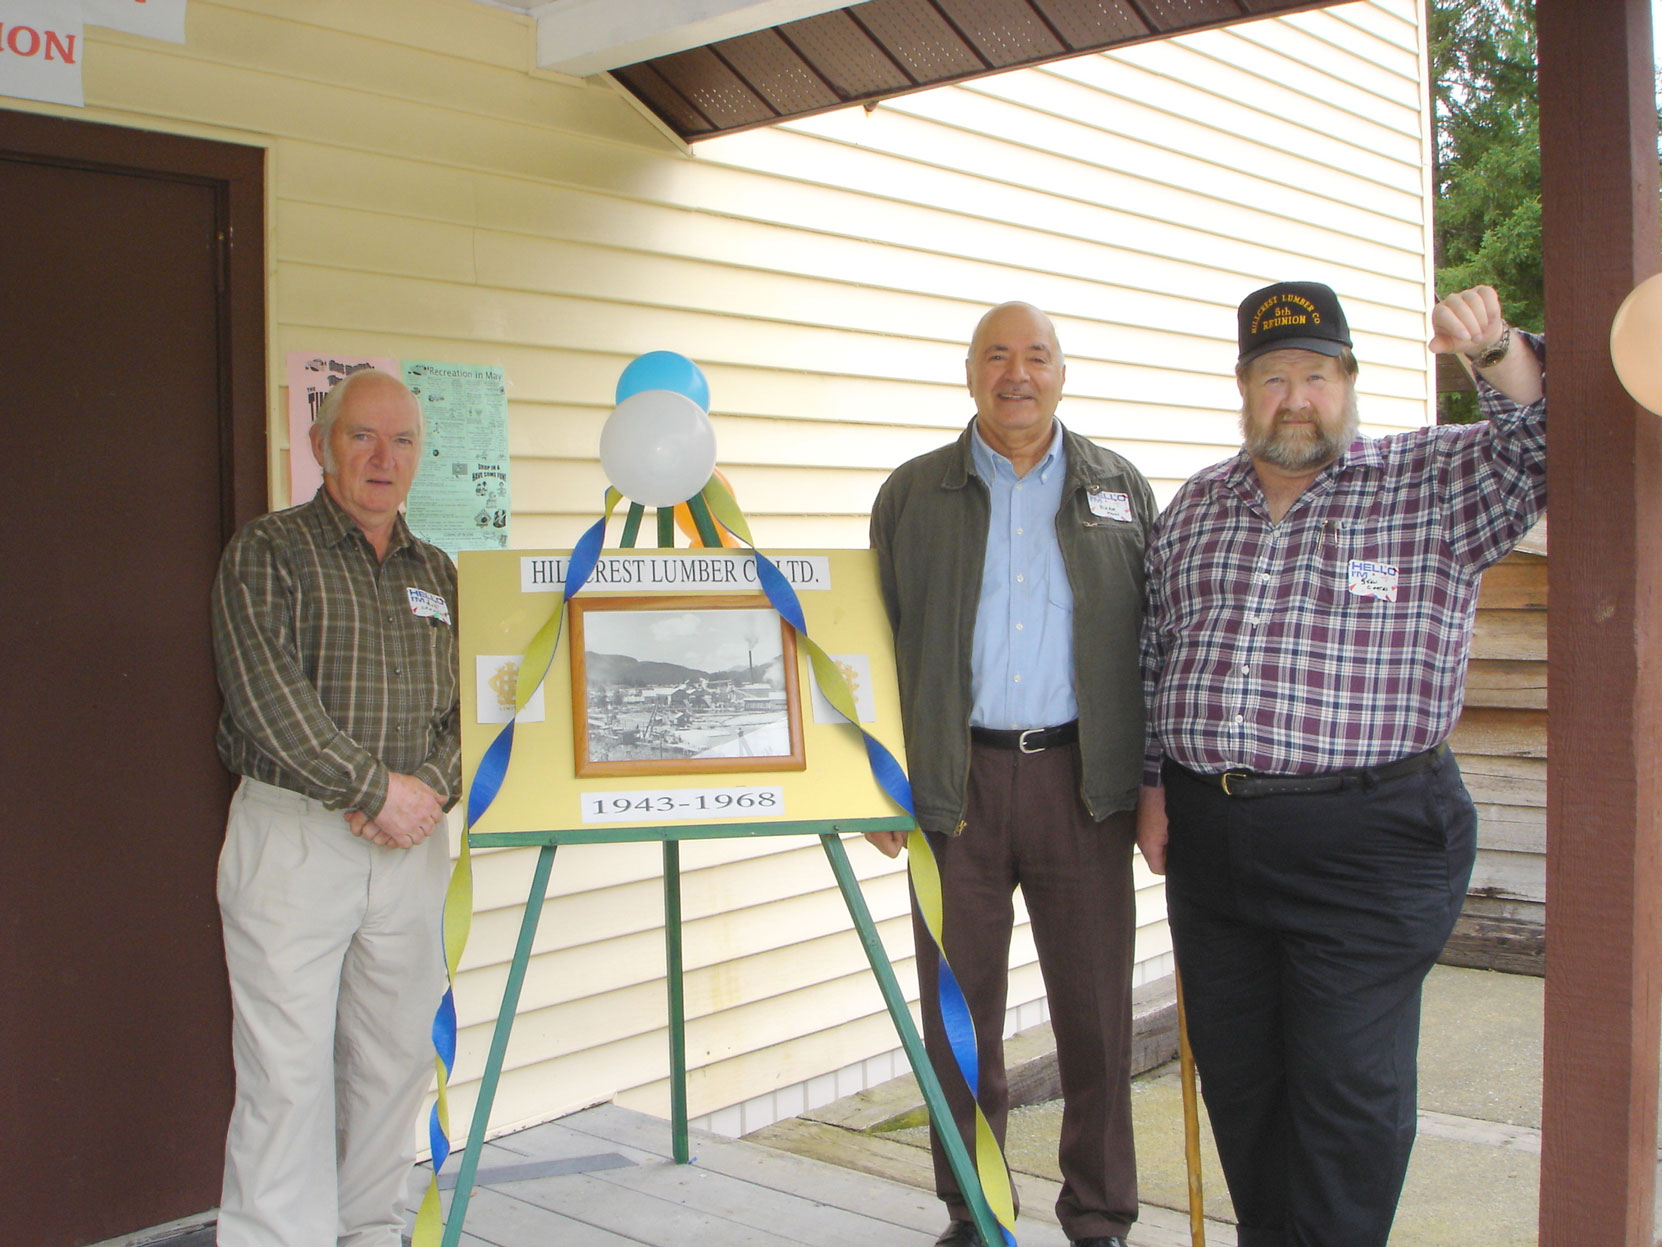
x=1223, y=780
x=1021, y=741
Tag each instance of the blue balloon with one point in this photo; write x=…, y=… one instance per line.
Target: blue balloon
x=664, y=370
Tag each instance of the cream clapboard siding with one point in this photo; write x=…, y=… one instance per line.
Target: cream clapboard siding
x=432, y=196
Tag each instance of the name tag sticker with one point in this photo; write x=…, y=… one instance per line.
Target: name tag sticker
x=1373, y=580
x=1109, y=506
x=425, y=605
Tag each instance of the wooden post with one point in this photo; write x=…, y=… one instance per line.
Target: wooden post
x=1604, y=791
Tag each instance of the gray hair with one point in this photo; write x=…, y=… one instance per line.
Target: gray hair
x=338, y=391
x=329, y=409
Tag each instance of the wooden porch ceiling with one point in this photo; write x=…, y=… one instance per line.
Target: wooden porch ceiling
x=878, y=49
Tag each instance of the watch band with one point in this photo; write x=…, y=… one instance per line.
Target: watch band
x=1497, y=352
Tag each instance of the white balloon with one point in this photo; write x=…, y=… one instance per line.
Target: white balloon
x=1636, y=343
x=658, y=448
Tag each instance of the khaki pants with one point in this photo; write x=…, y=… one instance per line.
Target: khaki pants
x=334, y=956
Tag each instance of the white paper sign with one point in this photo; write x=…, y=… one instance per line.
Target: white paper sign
x=856, y=669
x=41, y=43
x=159, y=19
x=670, y=573
x=495, y=677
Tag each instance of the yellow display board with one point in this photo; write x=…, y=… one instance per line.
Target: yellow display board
x=673, y=692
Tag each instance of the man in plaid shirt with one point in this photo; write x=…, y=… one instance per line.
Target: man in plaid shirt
x=334, y=638
x=1310, y=607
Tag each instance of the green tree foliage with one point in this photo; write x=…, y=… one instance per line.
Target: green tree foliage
x=1486, y=158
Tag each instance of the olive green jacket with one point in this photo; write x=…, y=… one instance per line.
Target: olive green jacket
x=929, y=528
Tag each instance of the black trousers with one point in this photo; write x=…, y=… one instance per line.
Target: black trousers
x=1026, y=825
x=1304, y=927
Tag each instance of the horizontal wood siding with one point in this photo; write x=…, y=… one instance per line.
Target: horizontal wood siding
x=1501, y=739
x=432, y=196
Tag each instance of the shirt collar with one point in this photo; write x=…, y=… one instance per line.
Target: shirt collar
x=989, y=463
x=337, y=526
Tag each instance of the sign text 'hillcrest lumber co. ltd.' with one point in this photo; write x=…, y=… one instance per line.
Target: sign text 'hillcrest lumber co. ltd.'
x=673, y=573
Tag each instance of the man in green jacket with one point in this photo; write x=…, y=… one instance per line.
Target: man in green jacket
x=1012, y=571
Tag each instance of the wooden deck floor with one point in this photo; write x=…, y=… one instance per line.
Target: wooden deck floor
x=622, y=1189
x=733, y=1194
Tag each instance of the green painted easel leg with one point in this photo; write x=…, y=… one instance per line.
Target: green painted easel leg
x=957, y=1155
x=499, y=1047
x=677, y=1002
x=631, y=524
x=701, y=519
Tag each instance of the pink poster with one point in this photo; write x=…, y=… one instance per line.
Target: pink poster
x=310, y=377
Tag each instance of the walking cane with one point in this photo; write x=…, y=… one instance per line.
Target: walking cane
x=1191, y=1123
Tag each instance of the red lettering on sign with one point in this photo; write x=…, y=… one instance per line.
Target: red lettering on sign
x=26, y=41
x=17, y=34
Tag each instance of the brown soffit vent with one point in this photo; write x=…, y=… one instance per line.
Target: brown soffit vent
x=882, y=48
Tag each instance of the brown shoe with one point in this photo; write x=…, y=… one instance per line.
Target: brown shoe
x=960, y=1234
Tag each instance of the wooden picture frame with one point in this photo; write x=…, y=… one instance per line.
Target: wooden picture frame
x=683, y=685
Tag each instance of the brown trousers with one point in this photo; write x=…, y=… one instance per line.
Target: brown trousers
x=1025, y=824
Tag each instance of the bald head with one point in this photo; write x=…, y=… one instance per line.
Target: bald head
x=1020, y=318
x=1015, y=373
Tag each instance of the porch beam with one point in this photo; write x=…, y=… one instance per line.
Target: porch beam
x=1604, y=788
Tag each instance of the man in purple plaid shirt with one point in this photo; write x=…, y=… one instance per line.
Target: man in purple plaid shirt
x=1310, y=606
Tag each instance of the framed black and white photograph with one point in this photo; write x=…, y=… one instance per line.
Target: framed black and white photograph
x=683, y=685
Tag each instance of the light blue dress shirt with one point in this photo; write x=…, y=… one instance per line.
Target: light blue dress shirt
x=1022, y=658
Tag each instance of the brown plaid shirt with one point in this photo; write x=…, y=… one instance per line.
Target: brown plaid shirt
x=331, y=679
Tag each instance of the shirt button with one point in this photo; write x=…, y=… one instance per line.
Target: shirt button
x=1240, y=718
x=1245, y=668
x=1020, y=627
x=1017, y=678
x=1020, y=578
x=1020, y=531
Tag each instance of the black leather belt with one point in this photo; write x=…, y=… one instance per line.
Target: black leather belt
x=1028, y=740
x=1250, y=784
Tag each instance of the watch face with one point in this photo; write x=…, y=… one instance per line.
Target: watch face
x=1497, y=352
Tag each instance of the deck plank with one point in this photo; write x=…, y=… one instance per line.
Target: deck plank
x=734, y=1194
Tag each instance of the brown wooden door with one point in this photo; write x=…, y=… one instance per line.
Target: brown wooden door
x=128, y=385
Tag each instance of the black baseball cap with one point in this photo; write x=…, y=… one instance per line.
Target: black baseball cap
x=1292, y=315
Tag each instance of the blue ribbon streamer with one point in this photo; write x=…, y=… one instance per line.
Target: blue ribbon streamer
x=956, y=1022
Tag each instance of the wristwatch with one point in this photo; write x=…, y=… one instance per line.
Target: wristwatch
x=1497, y=352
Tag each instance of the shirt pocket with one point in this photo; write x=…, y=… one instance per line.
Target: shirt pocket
x=1355, y=567
x=1114, y=547
x=442, y=640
